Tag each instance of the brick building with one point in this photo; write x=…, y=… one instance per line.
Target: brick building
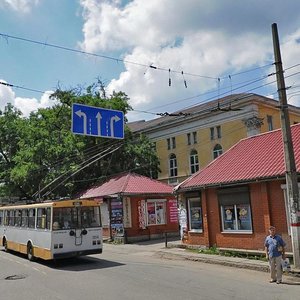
x=135, y=207
x=232, y=202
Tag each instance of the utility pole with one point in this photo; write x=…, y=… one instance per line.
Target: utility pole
x=291, y=172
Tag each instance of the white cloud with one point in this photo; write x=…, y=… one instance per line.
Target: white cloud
x=25, y=105
x=290, y=50
x=203, y=37
x=23, y=6
x=7, y=95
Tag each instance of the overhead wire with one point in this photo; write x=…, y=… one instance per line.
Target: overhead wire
x=7, y=36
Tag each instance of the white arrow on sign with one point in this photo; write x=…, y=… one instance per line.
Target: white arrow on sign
x=112, y=121
x=99, y=117
x=80, y=114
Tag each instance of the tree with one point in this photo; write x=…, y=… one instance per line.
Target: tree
x=11, y=126
x=50, y=161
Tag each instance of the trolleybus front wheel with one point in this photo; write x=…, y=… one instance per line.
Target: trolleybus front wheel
x=5, y=245
x=30, y=252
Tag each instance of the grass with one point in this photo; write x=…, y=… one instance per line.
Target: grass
x=231, y=253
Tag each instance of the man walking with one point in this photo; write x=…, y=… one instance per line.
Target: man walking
x=275, y=252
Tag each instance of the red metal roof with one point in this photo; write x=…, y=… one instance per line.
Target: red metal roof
x=129, y=184
x=254, y=158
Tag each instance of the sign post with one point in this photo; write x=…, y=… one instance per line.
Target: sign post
x=96, y=121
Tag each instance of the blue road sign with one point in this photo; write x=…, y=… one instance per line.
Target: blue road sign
x=96, y=121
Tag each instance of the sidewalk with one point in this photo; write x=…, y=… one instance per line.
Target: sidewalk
x=177, y=250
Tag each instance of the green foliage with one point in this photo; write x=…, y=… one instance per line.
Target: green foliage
x=39, y=153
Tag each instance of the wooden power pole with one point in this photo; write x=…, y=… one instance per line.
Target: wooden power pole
x=291, y=172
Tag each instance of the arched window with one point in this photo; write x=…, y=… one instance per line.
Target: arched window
x=217, y=151
x=173, y=165
x=194, y=162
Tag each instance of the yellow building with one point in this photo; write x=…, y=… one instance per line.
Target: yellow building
x=188, y=140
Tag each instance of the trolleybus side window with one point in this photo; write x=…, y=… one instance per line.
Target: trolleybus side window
x=6, y=217
x=31, y=218
x=24, y=222
x=11, y=218
x=43, y=218
x=17, y=217
x=1, y=216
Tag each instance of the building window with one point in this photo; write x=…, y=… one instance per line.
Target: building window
x=173, y=165
x=235, y=209
x=270, y=123
x=217, y=151
x=153, y=146
x=212, y=133
x=156, y=212
x=219, y=135
x=191, y=138
x=195, y=215
x=188, y=138
x=195, y=137
x=171, y=143
x=194, y=162
x=214, y=130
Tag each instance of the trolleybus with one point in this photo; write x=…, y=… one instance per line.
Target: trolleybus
x=52, y=230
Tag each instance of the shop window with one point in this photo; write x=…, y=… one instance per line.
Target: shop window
x=156, y=212
x=235, y=209
x=195, y=215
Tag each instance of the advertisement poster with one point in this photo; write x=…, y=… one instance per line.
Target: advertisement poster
x=127, y=212
x=196, y=219
x=142, y=217
x=151, y=213
x=173, y=211
x=117, y=217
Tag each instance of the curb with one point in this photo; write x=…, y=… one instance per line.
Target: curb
x=241, y=265
x=165, y=254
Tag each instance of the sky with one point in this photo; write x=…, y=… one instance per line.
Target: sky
x=166, y=55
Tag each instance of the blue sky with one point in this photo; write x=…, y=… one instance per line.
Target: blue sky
x=204, y=39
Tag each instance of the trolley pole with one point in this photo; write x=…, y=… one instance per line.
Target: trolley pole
x=291, y=172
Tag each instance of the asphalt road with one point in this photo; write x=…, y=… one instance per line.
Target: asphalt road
x=132, y=272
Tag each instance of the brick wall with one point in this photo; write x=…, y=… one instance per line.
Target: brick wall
x=267, y=208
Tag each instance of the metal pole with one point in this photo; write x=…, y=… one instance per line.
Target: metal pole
x=291, y=172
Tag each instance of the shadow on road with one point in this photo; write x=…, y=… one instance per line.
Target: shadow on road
x=82, y=263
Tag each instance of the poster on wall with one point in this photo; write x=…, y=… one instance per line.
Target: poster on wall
x=116, y=219
x=127, y=212
x=173, y=211
x=229, y=217
x=196, y=218
x=142, y=216
x=151, y=213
